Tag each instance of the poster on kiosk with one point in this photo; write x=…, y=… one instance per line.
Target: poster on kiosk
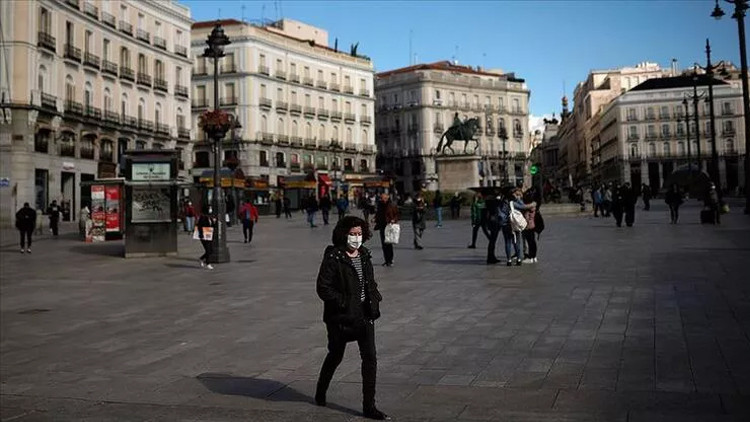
x=98, y=215
x=106, y=213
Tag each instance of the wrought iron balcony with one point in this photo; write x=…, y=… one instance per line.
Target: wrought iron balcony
x=111, y=117
x=293, y=77
x=296, y=141
x=348, y=89
x=109, y=67
x=438, y=128
x=91, y=59
x=93, y=112
x=322, y=114
x=127, y=73
x=264, y=102
x=364, y=92
x=161, y=85
x=180, y=50
x=321, y=84
x=162, y=128
x=365, y=120
x=309, y=111
x=728, y=131
x=129, y=121
x=307, y=81
x=91, y=10
x=727, y=112
x=73, y=107
x=180, y=91
x=282, y=106
x=46, y=40
x=266, y=138
x=295, y=108
x=280, y=74
x=109, y=19
x=67, y=149
x=49, y=101
x=126, y=27
x=183, y=133
x=87, y=151
x=633, y=137
x=144, y=79
x=282, y=139
x=160, y=42
x=229, y=68
x=333, y=86
x=336, y=116
x=350, y=117
x=72, y=52
x=228, y=101
x=146, y=125
x=263, y=70
x=200, y=103
x=74, y=3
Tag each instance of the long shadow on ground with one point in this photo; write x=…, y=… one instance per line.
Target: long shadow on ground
x=260, y=389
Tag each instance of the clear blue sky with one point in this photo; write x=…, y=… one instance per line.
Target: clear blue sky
x=545, y=42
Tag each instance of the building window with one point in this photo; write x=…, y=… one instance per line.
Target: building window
x=680, y=128
x=728, y=127
x=665, y=130
x=726, y=108
x=681, y=148
x=664, y=113
x=633, y=132
x=652, y=149
x=666, y=148
x=729, y=145
x=650, y=113
x=634, y=150
x=45, y=21
x=651, y=131
x=263, y=158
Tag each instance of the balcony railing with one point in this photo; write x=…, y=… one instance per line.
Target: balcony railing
x=322, y=114
x=295, y=108
x=74, y=3
x=93, y=112
x=266, y=138
x=727, y=112
x=109, y=67
x=127, y=73
x=307, y=81
x=263, y=70
x=67, y=149
x=333, y=86
x=126, y=27
x=200, y=71
x=296, y=141
x=350, y=117
x=46, y=40
x=111, y=117
x=633, y=137
x=265, y=102
x=365, y=120
x=650, y=117
x=181, y=91
x=146, y=125
x=364, y=92
x=160, y=42
x=336, y=116
x=183, y=133
x=727, y=132
x=162, y=128
x=282, y=139
x=282, y=106
x=632, y=118
x=229, y=68
x=161, y=85
x=227, y=101
x=129, y=121
x=664, y=116
x=144, y=79
x=87, y=152
x=91, y=59
x=280, y=74
x=91, y=10
x=109, y=19
x=348, y=89
x=49, y=101
x=72, y=52
x=200, y=102
x=180, y=50
x=73, y=107
x=321, y=84
x=309, y=111
x=293, y=77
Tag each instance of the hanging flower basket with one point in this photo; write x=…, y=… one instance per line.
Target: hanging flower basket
x=216, y=123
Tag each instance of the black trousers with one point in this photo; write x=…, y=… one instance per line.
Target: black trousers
x=325, y=212
x=207, y=248
x=287, y=212
x=646, y=204
x=387, y=248
x=26, y=236
x=247, y=230
x=629, y=215
x=474, y=230
x=336, y=347
x=493, y=232
x=530, y=238
x=617, y=213
x=674, y=212
x=53, y=224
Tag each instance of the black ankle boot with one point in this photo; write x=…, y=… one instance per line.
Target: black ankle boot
x=320, y=399
x=374, y=413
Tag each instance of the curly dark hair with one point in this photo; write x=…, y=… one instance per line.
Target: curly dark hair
x=341, y=231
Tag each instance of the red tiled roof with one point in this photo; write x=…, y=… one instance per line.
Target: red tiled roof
x=211, y=24
x=441, y=65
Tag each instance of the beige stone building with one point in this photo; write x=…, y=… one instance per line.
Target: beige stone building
x=590, y=97
x=416, y=104
x=642, y=136
x=303, y=106
x=81, y=82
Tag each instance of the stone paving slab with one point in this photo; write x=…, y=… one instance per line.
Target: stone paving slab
x=648, y=323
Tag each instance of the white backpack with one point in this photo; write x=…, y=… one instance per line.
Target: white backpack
x=517, y=220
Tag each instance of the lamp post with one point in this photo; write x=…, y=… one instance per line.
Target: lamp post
x=740, y=6
x=687, y=136
x=695, y=98
x=220, y=253
x=233, y=162
x=709, y=69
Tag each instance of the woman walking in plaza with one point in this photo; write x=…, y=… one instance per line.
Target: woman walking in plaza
x=673, y=198
x=418, y=220
x=346, y=284
x=386, y=213
x=206, y=221
x=477, y=207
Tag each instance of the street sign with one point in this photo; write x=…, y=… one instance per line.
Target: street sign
x=4, y=182
x=534, y=169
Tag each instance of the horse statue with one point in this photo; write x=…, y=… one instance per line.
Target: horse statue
x=463, y=132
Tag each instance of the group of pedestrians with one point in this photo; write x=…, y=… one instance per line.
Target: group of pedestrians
x=516, y=216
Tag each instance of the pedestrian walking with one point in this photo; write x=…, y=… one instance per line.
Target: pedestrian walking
x=230, y=207
x=512, y=236
x=711, y=201
x=607, y=200
x=364, y=205
x=456, y=201
x=419, y=210
x=629, y=199
x=385, y=214
x=618, y=204
x=206, y=221
x=248, y=215
x=529, y=233
x=437, y=204
x=646, y=196
x=598, y=199
x=477, y=207
x=342, y=206
x=25, y=223
x=53, y=212
x=311, y=206
x=351, y=304
x=491, y=226
x=673, y=198
x=287, y=207
x=189, y=212
x=325, y=207
x=278, y=205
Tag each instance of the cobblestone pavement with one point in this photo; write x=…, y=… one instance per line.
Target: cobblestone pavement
x=649, y=323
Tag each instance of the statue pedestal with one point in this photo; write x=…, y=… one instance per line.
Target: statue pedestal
x=457, y=172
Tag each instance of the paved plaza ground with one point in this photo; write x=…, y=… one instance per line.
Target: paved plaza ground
x=650, y=323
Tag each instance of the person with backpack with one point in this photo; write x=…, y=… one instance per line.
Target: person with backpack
x=248, y=215
x=512, y=224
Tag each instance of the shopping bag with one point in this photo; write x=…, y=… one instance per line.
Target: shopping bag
x=208, y=233
x=392, y=233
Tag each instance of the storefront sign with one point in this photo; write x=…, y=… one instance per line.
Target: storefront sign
x=98, y=213
x=147, y=172
x=112, y=195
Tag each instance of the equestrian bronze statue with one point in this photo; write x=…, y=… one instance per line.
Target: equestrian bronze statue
x=461, y=131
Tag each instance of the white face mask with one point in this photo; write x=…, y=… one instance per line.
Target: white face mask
x=354, y=241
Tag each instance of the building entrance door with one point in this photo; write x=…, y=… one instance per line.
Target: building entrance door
x=68, y=190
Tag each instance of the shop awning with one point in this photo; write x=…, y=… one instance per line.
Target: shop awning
x=376, y=182
x=324, y=179
x=299, y=182
x=207, y=178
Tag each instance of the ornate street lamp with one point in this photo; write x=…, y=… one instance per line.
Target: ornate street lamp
x=216, y=124
x=233, y=162
x=740, y=6
x=502, y=133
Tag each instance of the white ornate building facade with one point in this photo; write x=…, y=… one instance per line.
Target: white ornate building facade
x=304, y=107
x=87, y=80
x=416, y=104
